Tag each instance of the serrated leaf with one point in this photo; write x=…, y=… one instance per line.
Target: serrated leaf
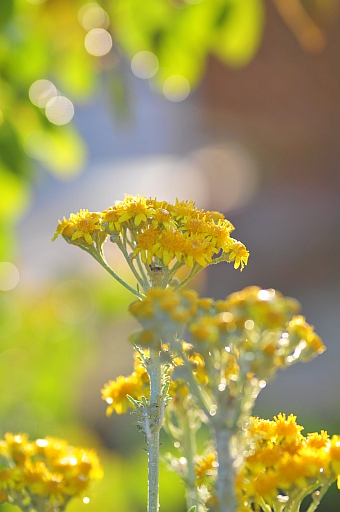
x=133, y=401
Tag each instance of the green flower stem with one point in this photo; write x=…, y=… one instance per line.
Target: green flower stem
x=152, y=436
x=199, y=394
x=187, y=440
x=175, y=268
x=225, y=485
x=129, y=262
x=143, y=274
x=102, y=262
x=268, y=508
x=318, y=497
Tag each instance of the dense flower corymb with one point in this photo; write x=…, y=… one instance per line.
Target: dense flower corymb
x=46, y=473
x=157, y=233
x=280, y=465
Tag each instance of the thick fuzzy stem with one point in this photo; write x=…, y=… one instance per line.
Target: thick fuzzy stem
x=153, y=434
x=225, y=485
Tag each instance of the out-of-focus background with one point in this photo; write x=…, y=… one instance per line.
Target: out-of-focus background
x=232, y=103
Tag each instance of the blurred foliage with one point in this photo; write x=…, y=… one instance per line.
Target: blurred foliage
x=48, y=344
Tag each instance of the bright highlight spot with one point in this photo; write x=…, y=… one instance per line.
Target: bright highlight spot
x=42, y=443
x=98, y=42
x=144, y=64
x=59, y=110
x=9, y=276
x=41, y=92
x=249, y=325
x=176, y=88
x=91, y=16
x=266, y=294
x=86, y=500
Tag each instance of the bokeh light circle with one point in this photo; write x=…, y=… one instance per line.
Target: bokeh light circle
x=144, y=64
x=98, y=42
x=92, y=15
x=59, y=110
x=41, y=92
x=9, y=276
x=176, y=88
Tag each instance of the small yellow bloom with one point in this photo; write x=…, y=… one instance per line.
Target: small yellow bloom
x=134, y=208
x=79, y=225
x=237, y=252
x=115, y=391
x=205, y=468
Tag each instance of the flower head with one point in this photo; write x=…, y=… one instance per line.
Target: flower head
x=151, y=232
x=46, y=473
x=80, y=227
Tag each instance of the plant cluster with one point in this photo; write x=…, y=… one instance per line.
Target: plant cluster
x=201, y=363
x=45, y=474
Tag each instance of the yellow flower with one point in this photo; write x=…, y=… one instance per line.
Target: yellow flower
x=182, y=209
x=198, y=249
x=111, y=217
x=7, y=478
x=237, y=252
x=115, y=391
x=205, y=468
x=287, y=427
x=204, y=330
x=79, y=225
x=266, y=485
x=162, y=218
x=135, y=208
x=171, y=244
x=85, y=223
x=147, y=244
x=219, y=233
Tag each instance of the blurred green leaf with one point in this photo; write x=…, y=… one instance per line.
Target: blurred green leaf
x=6, y=11
x=60, y=149
x=239, y=27
x=12, y=155
x=14, y=196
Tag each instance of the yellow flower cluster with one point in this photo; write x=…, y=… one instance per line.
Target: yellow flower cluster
x=44, y=474
x=158, y=231
x=81, y=228
x=257, y=327
x=162, y=313
x=282, y=462
x=135, y=385
x=280, y=465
